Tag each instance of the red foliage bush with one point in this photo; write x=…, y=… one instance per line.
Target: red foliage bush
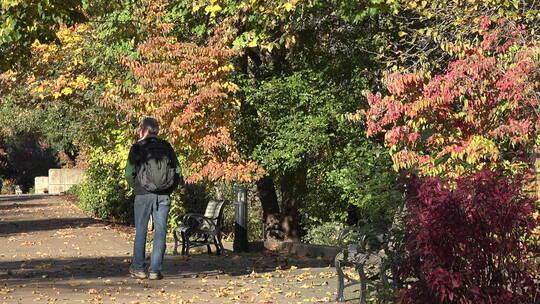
x=467, y=242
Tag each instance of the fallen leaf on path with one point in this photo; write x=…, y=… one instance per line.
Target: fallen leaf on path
x=44, y=266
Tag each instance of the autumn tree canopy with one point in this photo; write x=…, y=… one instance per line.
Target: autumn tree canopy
x=484, y=108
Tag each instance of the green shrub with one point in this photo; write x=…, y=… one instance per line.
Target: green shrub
x=324, y=234
x=105, y=194
x=176, y=211
x=73, y=190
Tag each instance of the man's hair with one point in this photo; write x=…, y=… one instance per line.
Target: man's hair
x=149, y=124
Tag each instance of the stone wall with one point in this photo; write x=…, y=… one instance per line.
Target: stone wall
x=41, y=184
x=60, y=180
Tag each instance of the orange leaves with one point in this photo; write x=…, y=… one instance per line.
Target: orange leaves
x=403, y=83
x=187, y=87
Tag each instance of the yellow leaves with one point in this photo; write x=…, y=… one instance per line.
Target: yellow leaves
x=196, y=7
x=81, y=82
x=37, y=44
x=292, y=294
x=139, y=89
x=288, y=6
x=67, y=91
x=270, y=46
x=230, y=87
x=6, y=4
x=28, y=243
x=81, y=28
x=226, y=68
x=253, y=42
x=45, y=57
x=6, y=290
x=212, y=9
x=290, y=41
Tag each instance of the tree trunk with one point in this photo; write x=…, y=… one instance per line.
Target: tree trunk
x=293, y=190
x=352, y=215
x=270, y=205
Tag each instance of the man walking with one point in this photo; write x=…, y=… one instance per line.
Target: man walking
x=153, y=172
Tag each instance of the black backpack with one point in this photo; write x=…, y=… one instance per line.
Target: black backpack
x=156, y=170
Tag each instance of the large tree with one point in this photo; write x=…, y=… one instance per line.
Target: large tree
x=301, y=68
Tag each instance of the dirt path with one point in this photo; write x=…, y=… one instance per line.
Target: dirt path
x=50, y=252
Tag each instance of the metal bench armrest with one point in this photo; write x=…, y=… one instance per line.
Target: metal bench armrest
x=364, y=235
x=200, y=220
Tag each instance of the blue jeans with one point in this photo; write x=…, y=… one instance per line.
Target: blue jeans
x=156, y=206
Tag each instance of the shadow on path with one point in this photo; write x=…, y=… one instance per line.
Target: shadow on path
x=48, y=270
x=68, y=268
x=16, y=227
x=5, y=207
x=22, y=198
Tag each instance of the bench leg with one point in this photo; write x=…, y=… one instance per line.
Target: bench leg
x=185, y=244
x=340, y=281
x=360, y=270
x=217, y=242
x=207, y=244
x=175, y=235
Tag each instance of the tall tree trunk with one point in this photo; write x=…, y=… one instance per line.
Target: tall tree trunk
x=293, y=190
x=352, y=215
x=270, y=205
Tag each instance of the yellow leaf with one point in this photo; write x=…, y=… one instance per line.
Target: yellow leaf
x=67, y=91
x=9, y=3
x=44, y=266
x=288, y=6
x=252, y=43
x=212, y=9
x=195, y=8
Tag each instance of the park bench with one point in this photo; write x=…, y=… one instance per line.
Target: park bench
x=201, y=230
x=369, y=251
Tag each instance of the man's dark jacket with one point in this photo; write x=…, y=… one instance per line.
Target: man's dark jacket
x=134, y=163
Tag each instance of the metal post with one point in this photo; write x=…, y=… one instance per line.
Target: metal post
x=240, y=223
